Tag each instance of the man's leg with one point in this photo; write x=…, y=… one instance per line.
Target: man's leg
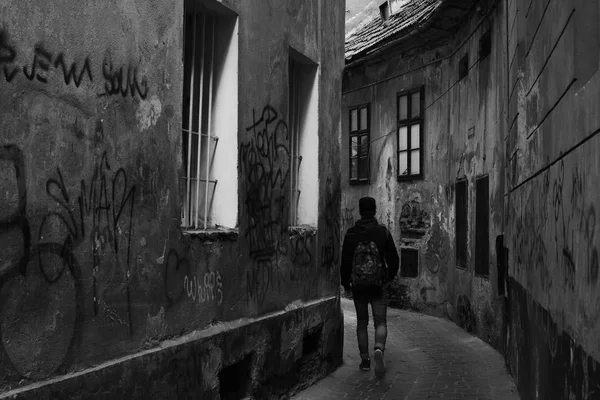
x=379, y=308
x=361, y=303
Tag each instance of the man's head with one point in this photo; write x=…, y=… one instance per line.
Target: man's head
x=367, y=207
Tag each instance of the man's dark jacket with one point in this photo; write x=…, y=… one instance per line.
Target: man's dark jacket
x=369, y=229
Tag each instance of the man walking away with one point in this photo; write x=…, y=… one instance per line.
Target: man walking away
x=369, y=262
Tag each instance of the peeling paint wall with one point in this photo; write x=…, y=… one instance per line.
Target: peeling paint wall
x=463, y=125
x=526, y=116
x=94, y=264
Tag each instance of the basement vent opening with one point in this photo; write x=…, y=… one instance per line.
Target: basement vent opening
x=235, y=379
x=311, y=340
x=409, y=262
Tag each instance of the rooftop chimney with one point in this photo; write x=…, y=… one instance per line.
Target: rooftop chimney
x=384, y=10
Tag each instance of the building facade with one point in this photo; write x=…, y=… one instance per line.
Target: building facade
x=463, y=119
x=170, y=197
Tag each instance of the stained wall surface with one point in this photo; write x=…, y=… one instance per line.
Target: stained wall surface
x=463, y=122
x=526, y=117
x=94, y=264
x=552, y=148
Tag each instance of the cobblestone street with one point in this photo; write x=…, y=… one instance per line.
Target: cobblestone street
x=426, y=357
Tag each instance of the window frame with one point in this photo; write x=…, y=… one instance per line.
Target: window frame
x=482, y=226
x=461, y=247
x=410, y=120
x=358, y=133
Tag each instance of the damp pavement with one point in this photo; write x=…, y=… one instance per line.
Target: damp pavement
x=426, y=357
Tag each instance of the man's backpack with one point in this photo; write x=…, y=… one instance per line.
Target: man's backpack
x=368, y=269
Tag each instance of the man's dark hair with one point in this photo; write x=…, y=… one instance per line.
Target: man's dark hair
x=367, y=207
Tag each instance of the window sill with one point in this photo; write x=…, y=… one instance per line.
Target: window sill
x=410, y=178
x=302, y=230
x=360, y=182
x=219, y=233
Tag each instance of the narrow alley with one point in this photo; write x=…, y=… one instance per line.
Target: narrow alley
x=426, y=357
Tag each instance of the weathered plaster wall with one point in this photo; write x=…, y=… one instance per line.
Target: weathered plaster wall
x=463, y=125
x=553, y=167
x=93, y=263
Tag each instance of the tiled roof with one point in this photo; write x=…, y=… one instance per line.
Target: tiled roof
x=374, y=31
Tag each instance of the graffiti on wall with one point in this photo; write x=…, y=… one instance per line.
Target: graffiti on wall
x=204, y=288
x=264, y=165
x=108, y=200
x=414, y=220
x=97, y=223
x=330, y=248
x=46, y=66
x=347, y=218
x=557, y=238
x=200, y=286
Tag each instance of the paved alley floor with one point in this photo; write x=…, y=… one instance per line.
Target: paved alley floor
x=426, y=357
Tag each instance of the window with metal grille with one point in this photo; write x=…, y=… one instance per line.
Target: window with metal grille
x=410, y=134
x=359, y=143
x=482, y=218
x=461, y=213
x=409, y=262
x=209, y=122
x=304, y=140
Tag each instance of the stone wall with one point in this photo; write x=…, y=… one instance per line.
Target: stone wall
x=94, y=265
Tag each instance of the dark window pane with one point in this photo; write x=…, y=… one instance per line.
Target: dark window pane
x=403, y=107
x=364, y=146
x=363, y=168
x=415, y=105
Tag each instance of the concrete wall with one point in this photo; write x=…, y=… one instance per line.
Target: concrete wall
x=463, y=128
x=553, y=167
x=93, y=264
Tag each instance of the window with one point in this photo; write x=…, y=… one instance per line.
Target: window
x=359, y=144
x=461, y=213
x=482, y=217
x=463, y=66
x=209, y=122
x=485, y=45
x=304, y=139
x=410, y=134
x=409, y=262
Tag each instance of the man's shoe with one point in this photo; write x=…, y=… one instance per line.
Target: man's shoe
x=379, y=363
x=365, y=365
